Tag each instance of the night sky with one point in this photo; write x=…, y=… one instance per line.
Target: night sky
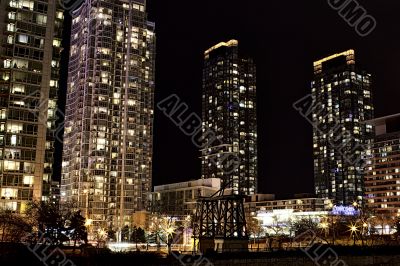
x=284, y=38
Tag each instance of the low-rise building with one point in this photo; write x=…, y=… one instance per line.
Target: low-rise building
x=300, y=203
x=277, y=215
x=179, y=199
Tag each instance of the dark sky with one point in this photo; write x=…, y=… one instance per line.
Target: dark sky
x=284, y=38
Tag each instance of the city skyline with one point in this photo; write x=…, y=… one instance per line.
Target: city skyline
x=206, y=132
x=268, y=182
x=284, y=59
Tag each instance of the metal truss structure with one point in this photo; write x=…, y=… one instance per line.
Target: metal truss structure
x=220, y=218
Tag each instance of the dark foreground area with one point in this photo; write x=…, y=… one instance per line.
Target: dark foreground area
x=18, y=254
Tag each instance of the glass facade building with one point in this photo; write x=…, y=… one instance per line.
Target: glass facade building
x=108, y=143
x=30, y=50
x=342, y=103
x=229, y=114
x=382, y=177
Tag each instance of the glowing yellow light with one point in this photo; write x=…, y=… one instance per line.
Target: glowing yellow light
x=353, y=228
x=170, y=230
x=102, y=232
x=226, y=44
x=324, y=225
x=88, y=222
x=346, y=53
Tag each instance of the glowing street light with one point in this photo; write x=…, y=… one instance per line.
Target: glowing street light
x=325, y=227
x=353, y=231
x=102, y=233
x=88, y=222
x=170, y=230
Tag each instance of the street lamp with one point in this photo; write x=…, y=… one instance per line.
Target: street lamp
x=331, y=207
x=88, y=222
x=325, y=227
x=353, y=232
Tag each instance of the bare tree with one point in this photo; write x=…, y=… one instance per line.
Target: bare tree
x=163, y=227
x=13, y=226
x=255, y=228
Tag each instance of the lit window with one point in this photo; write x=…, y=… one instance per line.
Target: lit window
x=13, y=140
x=18, y=88
x=28, y=180
x=56, y=43
x=9, y=193
x=23, y=38
x=53, y=83
x=11, y=27
x=10, y=39
x=11, y=166
x=59, y=15
x=13, y=127
x=11, y=15
x=41, y=19
x=7, y=63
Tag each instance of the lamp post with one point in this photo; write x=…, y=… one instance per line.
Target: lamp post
x=364, y=227
x=331, y=206
x=325, y=227
x=353, y=232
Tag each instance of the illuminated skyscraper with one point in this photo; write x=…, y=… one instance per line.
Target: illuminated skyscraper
x=229, y=111
x=107, y=157
x=30, y=48
x=343, y=101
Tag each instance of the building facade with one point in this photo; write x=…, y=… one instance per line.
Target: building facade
x=342, y=103
x=267, y=203
x=107, y=156
x=230, y=118
x=382, y=177
x=276, y=216
x=30, y=49
x=180, y=199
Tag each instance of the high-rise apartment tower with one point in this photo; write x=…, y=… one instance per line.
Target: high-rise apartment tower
x=342, y=103
x=229, y=112
x=30, y=49
x=107, y=157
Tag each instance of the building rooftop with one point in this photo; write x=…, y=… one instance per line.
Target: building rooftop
x=382, y=120
x=349, y=54
x=222, y=44
x=210, y=182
